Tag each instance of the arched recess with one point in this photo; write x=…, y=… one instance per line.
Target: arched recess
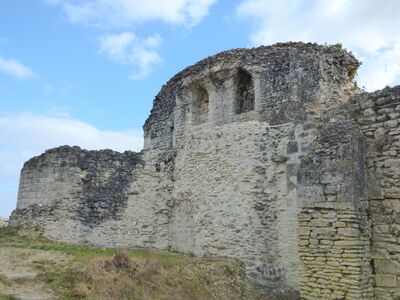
x=244, y=92
x=200, y=101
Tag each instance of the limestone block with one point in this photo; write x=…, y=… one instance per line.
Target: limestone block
x=391, y=123
x=385, y=280
x=350, y=232
x=387, y=266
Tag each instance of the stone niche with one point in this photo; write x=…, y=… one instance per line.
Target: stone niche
x=199, y=101
x=244, y=100
x=270, y=155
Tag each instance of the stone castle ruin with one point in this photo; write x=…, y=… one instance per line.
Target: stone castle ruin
x=270, y=155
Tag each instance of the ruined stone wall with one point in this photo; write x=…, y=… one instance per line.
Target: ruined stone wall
x=334, y=249
x=333, y=224
x=99, y=198
x=379, y=115
x=3, y=222
x=239, y=130
x=349, y=241
x=230, y=180
x=286, y=78
x=255, y=154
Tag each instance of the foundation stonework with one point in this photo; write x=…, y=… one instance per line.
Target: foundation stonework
x=270, y=155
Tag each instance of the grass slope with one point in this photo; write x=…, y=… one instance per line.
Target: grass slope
x=77, y=272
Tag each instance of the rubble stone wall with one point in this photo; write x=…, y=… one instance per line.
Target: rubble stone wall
x=378, y=115
x=270, y=155
x=333, y=224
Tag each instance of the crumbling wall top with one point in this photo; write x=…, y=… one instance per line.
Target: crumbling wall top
x=65, y=152
x=284, y=72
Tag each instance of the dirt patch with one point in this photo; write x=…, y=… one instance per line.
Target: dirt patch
x=18, y=274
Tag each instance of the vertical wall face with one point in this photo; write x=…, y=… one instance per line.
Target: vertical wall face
x=231, y=199
x=333, y=223
x=48, y=178
x=99, y=198
x=230, y=192
x=334, y=249
x=349, y=187
x=235, y=175
x=378, y=117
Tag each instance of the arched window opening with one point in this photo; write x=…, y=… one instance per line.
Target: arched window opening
x=244, y=92
x=200, y=105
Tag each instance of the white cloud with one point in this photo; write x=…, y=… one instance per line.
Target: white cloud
x=113, y=15
x=15, y=68
x=369, y=28
x=36, y=132
x=381, y=68
x=25, y=135
x=126, y=48
x=126, y=13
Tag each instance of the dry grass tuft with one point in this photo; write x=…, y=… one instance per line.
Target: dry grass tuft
x=121, y=261
x=122, y=277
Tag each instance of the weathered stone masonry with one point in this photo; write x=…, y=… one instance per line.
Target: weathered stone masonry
x=270, y=155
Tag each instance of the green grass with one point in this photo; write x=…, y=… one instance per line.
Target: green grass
x=33, y=239
x=7, y=297
x=92, y=273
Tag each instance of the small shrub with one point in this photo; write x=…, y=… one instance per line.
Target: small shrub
x=122, y=261
x=352, y=73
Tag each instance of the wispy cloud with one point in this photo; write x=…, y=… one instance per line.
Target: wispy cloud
x=369, y=28
x=119, y=17
x=125, y=13
x=14, y=68
x=126, y=48
x=25, y=135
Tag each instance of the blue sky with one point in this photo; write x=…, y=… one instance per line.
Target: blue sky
x=86, y=72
